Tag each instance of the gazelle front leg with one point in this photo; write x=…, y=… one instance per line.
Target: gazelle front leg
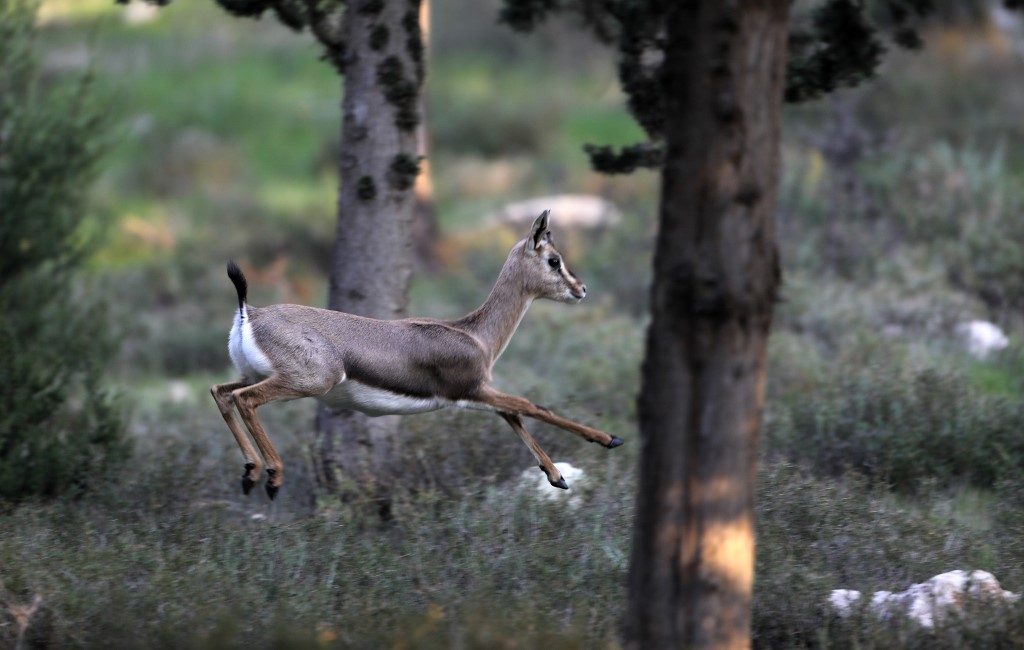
x=226, y=403
x=506, y=403
x=554, y=476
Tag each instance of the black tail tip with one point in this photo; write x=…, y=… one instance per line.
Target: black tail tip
x=234, y=272
x=238, y=279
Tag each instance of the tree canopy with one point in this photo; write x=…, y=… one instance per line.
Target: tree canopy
x=832, y=44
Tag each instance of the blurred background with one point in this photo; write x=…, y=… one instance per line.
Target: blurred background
x=892, y=442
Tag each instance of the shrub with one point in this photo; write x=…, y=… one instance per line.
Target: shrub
x=57, y=422
x=965, y=205
x=922, y=211
x=818, y=534
x=902, y=428
x=150, y=561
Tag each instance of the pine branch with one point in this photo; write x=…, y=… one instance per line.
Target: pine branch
x=605, y=160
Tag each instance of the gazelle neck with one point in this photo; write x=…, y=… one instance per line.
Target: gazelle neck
x=495, y=321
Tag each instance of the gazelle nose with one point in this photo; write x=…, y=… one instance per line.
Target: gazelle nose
x=583, y=289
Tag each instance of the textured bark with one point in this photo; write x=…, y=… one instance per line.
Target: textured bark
x=373, y=248
x=715, y=279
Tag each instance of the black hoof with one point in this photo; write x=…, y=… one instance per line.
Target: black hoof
x=272, y=491
x=616, y=441
x=560, y=483
x=247, y=484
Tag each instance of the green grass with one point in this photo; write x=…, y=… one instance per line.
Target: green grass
x=171, y=546
x=189, y=572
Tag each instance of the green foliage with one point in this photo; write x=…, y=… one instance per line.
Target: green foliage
x=815, y=535
x=903, y=428
x=837, y=44
x=921, y=210
x=975, y=229
x=45, y=157
x=525, y=15
x=842, y=49
x=637, y=30
x=59, y=427
x=502, y=130
x=151, y=561
x=245, y=8
x=296, y=15
x=627, y=160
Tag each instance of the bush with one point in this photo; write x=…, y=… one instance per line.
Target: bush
x=57, y=422
x=965, y=205
x=150, y=561
x=815, y=535
x=917, y=209
x=903, y=428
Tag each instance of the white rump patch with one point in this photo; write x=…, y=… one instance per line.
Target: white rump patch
x=245, y=354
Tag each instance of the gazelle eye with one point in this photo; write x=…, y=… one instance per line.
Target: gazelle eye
x=554, y=262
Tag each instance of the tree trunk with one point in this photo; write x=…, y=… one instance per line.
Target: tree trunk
x=715, y=279
x=373, y=248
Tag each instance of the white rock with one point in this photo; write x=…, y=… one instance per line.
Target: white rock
x=139, y=13
x=178, y=391
x=879, y=599
x=982, y=338
x=535, y=482
x=931, y=601
x=843, y=600
x=568, y=211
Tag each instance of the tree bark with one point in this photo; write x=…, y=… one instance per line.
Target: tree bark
x=372, y=257
x=716, y=275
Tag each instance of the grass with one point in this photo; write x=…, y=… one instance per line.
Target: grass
x=187, y=563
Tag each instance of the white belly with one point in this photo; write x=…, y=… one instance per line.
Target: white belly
x=372, y=401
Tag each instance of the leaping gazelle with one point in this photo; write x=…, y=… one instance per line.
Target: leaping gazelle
x=384, y=367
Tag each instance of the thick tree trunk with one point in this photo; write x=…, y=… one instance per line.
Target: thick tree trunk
x=373, y=249
x=715, y=279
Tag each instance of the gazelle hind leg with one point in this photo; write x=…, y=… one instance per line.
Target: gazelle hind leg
x=248, y=399
x=226, y=404
x=503, y=402
x=554, y=476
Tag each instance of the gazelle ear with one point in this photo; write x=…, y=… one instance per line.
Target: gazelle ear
x=539, y=234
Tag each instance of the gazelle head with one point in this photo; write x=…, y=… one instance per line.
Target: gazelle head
x=543, y=269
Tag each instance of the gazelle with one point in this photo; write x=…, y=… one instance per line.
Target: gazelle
x=383, y=367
